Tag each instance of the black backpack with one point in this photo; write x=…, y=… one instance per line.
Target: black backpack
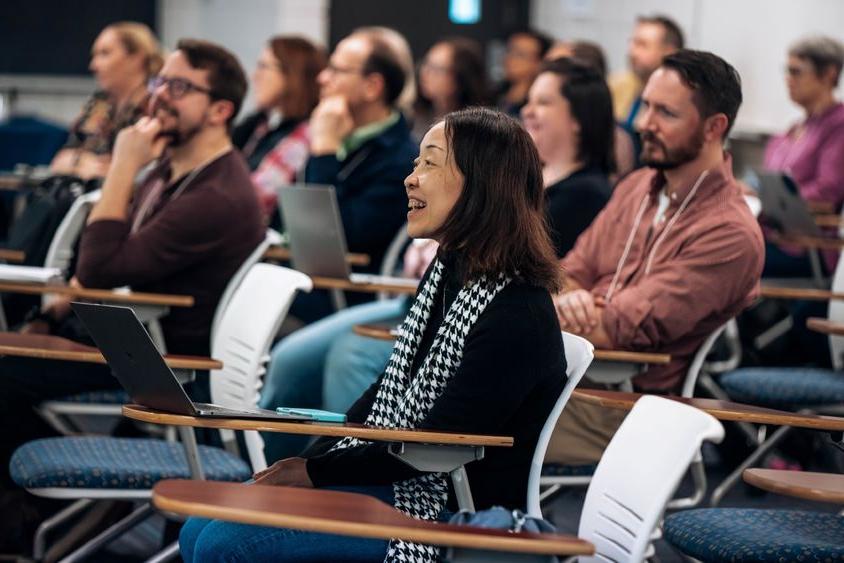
x=33, y=231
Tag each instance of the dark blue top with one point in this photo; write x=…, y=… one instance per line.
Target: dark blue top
x=572, y=203
x=370, y=188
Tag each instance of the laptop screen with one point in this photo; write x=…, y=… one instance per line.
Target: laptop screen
x=133, y=357
x=315, y=230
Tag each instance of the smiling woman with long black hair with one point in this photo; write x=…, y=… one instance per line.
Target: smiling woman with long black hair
x=479, y=352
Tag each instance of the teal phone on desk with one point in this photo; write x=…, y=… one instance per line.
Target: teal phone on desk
x=315, y=415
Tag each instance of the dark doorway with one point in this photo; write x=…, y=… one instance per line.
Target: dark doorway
x=50, y=37
x=424, y=22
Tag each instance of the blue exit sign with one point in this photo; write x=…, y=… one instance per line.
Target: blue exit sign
x=464, y=12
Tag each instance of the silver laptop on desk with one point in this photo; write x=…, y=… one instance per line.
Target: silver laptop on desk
x=782, y=206
x=141, y=370
x=317, y=240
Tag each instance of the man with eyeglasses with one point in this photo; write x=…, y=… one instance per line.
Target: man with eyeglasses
x=175, y=233
x=522, y=61
x=177, y=215
x=360, y=144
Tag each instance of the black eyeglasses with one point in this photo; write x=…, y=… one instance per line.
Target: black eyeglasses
x=795, y=71
x=177, y=88
x=333, y=68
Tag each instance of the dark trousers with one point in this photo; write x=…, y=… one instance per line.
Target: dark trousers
x=781, y=264
x=24, y=384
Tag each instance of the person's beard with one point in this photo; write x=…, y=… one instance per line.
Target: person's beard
x=177, y=137
x=673, y=157
x=180, y=138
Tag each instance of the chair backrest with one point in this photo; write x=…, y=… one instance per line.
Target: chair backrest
x=271, y=238
x=700, y=357
x=836, y=313
x=242, y=342
x=63, y=244
x=393, y=254
x=732, y=340
x=638, y=473
x=391, y=258
x=579, y=354
x=61, y=250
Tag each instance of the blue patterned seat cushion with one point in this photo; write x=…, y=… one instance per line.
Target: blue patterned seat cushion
x=556, y=470
x=740, y=534
x=114, y=397
x=784, y=388
x=102, y=462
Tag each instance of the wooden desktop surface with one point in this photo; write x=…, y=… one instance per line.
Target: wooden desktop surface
x=806, y=294
x=350, y=514
x=381, y=332
x=722, y=410
x=145, y=414
x=825, y=325
x=12, y=182
x=822, y=487
x=828, y=220
x=347, y=285
x=818, y=207
x=48, y=347
x=283, y=253
x=108, y=295
x=632, y=357
x=821, y=243
x=12, y=256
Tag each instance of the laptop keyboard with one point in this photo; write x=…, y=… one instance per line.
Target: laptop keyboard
x=383, y=280
x=208, y=408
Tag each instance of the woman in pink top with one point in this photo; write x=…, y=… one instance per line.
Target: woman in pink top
x=812, y=151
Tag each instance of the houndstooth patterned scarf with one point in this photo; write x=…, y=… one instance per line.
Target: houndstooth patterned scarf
x=403, y=401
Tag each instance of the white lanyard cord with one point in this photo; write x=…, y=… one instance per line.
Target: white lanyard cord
x=642, y=207
x=155, y=195
x=627, y=246
x=673, y=219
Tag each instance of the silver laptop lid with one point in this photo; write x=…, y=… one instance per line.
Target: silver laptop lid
x=314, y=230
x=782, y=207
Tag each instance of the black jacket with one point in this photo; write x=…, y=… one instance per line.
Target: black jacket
x=370, y=189
x=512, y=372
x=573, y=203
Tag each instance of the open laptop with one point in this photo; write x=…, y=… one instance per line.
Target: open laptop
x=141, y=370
x=317, y=240
x=783, y=208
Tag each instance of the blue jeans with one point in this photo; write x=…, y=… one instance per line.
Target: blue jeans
x=208, y=541
x=353, y=364
x=295, y=377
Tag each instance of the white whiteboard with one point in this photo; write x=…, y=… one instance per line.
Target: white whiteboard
x=752, y=35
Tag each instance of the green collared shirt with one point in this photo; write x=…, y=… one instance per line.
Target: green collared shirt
x=363, y=134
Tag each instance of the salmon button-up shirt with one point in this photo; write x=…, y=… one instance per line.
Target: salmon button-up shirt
x=683, y=275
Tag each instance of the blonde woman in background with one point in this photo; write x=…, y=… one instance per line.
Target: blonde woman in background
x=124, y=57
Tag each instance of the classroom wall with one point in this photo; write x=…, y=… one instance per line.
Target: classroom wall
x=753, y=35
x=241, y=26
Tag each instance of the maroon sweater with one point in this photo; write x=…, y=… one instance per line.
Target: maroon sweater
x=190, y=244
